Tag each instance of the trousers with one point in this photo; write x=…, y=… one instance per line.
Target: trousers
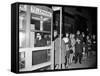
x=78, y=56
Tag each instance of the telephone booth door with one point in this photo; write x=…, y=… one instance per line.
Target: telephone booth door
x=57, y=21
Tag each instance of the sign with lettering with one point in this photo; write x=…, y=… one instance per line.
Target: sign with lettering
x=40, y=11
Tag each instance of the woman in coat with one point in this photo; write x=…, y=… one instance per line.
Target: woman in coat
x=57, y=52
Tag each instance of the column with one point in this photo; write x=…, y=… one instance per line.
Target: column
x=60, y=37
x=41, y=23
x=28, y=52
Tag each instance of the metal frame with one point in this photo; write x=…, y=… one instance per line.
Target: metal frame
x=60, y=9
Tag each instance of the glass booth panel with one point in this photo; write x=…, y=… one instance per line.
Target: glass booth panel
x=22, y=16
x=21, y=60
x=41, y=23
x=35, y=20
x=22, y=40
x=42, y=39
x=22, y=26
x=40, y=56
x=22, y=35
x=47, y=25
x=34, y=38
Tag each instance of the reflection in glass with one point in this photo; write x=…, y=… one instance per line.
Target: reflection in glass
x=22, y=23
x=22, y=20
x=47, y=25
x=36, y=23
x=22, y=28
x=21, y=60
x=22, y=42
x=41, y=23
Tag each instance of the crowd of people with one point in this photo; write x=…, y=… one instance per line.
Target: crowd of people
x=74, y=48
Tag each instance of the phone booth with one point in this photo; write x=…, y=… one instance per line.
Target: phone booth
x=35, y=38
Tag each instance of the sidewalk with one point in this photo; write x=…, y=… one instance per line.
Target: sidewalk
x=89, y=62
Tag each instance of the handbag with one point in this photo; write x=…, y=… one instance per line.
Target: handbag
x=71, y=51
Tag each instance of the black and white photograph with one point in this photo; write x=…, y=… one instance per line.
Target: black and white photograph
x=54, y=37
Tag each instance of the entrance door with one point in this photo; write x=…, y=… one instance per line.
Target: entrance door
x=35, y=38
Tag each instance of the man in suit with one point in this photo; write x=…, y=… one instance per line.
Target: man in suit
x=40, y=42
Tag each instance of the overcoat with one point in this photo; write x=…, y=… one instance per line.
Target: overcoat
x=57, y=50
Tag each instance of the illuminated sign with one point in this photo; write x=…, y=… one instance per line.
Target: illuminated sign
x=40, y=11
x=36, y=10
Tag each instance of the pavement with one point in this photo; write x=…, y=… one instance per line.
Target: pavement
x=86, y=63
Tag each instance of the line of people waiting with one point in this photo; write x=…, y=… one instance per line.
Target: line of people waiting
x=74, y=48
